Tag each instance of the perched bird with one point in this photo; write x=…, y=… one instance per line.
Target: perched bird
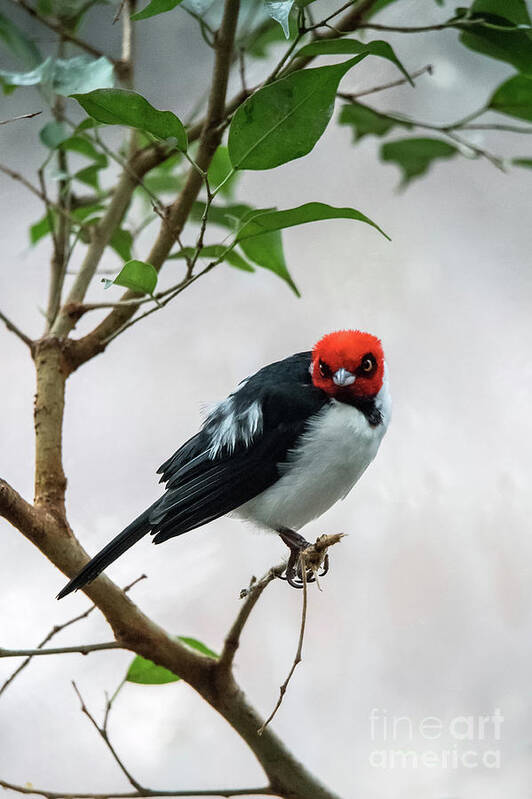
x=291, y=441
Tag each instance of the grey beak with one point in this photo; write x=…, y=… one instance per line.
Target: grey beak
x=343, y=378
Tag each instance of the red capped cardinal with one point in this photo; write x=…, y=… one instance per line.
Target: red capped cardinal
x=291, y=441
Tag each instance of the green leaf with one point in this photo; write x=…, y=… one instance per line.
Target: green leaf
x=87, y=213
x=365, y=121
x=219, y=169
x=199, y=7
x=53, y=134
x=267, y=221
x=81, y=74
x=285, y=119
x=87, y=124
x=41, y=74
x=122, y=242
x=60, y=76
x=279, y=10
x=161, y=183
x=227, y=216
x=514, y=45
x=215, y=251
x=351, y=46
x=235, y=259
x=18, y=43
x=415, y=156
x=526, y=162
x=260, y=41
x=41, y=228
x=122, y=107
x=267, y=251
x=89, y=176
x=145, y=672
x=193, y=643
x=137, y=276
x=514, y=98
x=82, y=146
x=155, y=7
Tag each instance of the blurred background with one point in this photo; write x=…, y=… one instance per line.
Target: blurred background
x=426, y=611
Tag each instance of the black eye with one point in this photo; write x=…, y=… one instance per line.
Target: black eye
x=324, y=369
x=368, y=363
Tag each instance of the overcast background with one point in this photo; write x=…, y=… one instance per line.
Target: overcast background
x=426, y=610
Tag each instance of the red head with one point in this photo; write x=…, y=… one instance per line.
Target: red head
x=348, y=365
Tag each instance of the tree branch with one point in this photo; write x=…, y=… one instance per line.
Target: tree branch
x=56, y=629
x=210, y=131
x=22, y=116
x=34, y=190
x=135, y=631
x=61, y=237
x=136, y=168
x=251, y=595
x=80, y=649
x=355, y=95
x=102, y=731
x=298, y=656
x=351, y=21
x=178, y=212
x=456, y=24
x=222, y=792
x=11, y=326
x=52, y=370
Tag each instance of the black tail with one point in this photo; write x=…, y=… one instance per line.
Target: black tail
x=120, y=544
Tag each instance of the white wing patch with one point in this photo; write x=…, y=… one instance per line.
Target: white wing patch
x=228, y=427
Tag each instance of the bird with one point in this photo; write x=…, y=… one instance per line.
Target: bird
x=279, y=451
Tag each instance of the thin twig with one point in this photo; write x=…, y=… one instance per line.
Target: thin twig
x=105, y=737
x=207, y=33
x=288, y=53
x=222, y=792
x=81, y=649
x=174, y=292
x=16, y=330
x=456, y=24
x=22, y=116
x=297, y=658
x=62, y=31
x=493, y=159
x=251, y=595
x=324, y=22
x=354, y=95
x=57, y=628
x=47, y=203
x=445, y=130
x=126, y=166
x=34, y=190
x=118, y=12
x=242, y=67
x=497, y=126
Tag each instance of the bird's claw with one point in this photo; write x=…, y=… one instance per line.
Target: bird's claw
x=293, y=573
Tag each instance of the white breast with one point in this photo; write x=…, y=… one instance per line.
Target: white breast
x=335, y=451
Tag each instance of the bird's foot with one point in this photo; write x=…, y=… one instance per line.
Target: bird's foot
x=293, y=572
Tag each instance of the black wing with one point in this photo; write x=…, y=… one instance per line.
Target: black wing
x=212, y=475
